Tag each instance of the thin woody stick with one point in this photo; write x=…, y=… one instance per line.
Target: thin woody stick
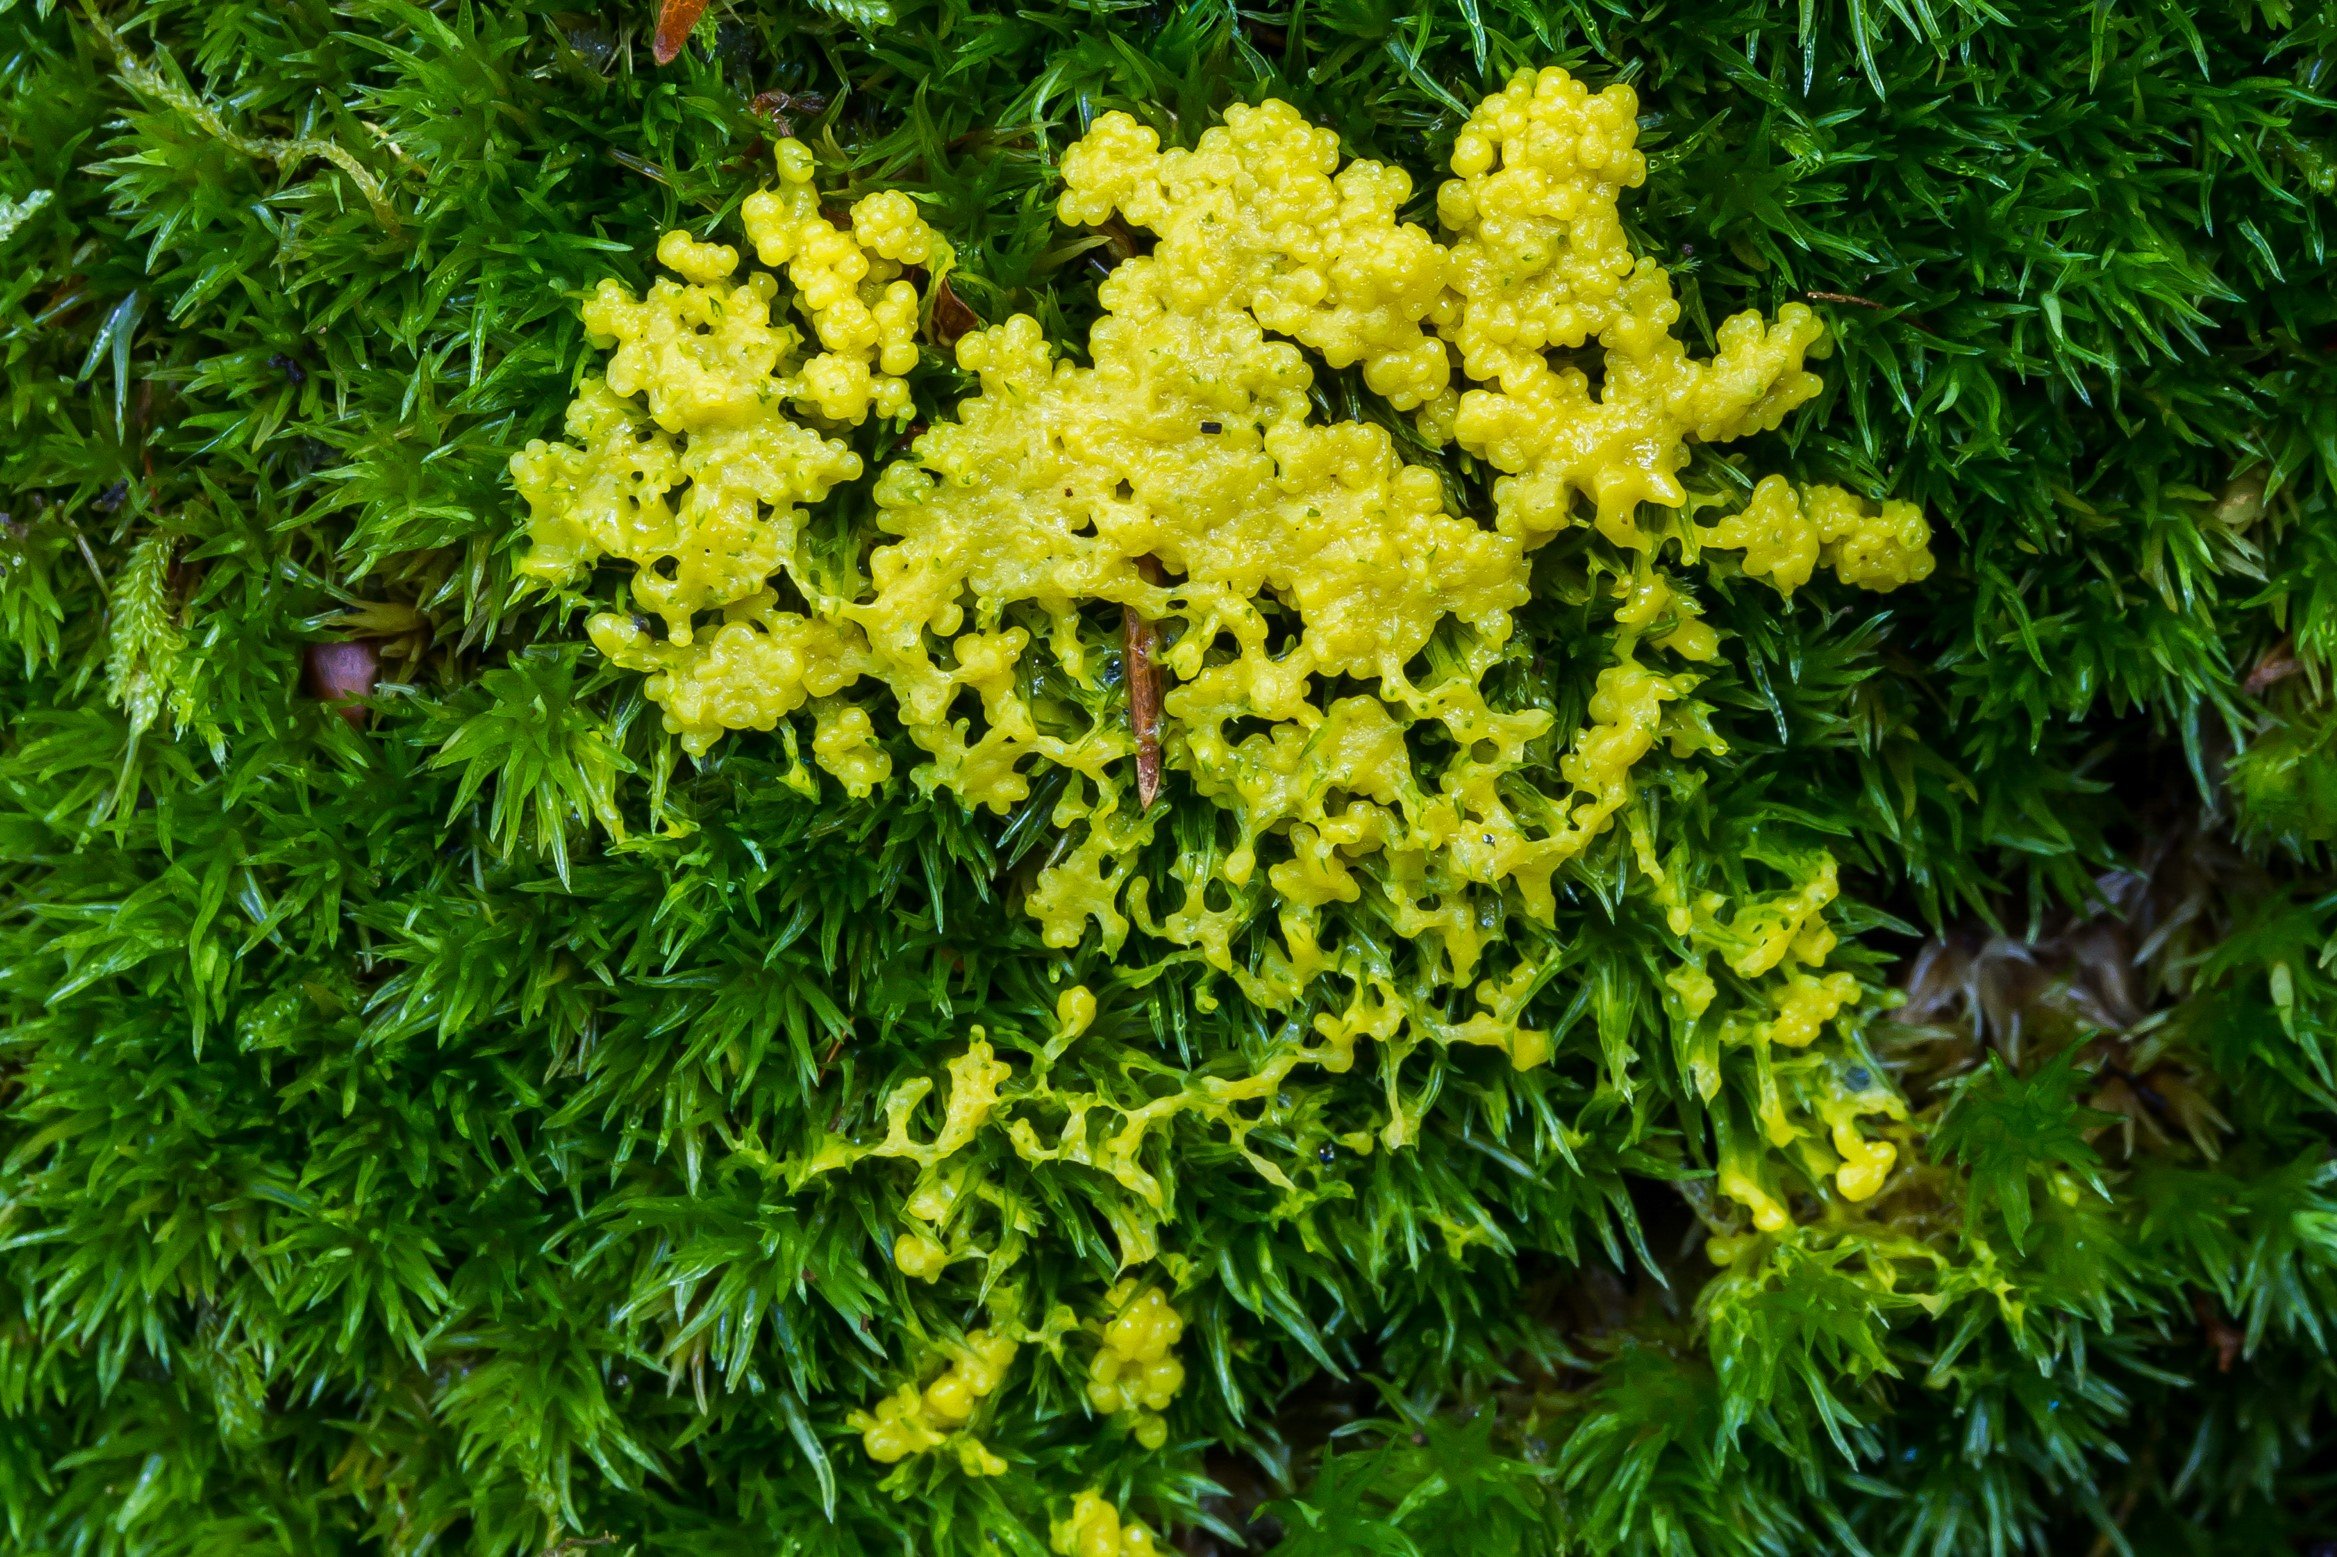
x=1139, y=640
x=2278, y=664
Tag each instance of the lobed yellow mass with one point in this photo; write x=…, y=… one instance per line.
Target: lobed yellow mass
x=913, y=1420
x=1261, y=218
x=1094, y=1528
x=1784, y=532
x=1387, y=779
x=1136, y=1371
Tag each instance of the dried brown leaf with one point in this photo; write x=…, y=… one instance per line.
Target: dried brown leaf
x=675, y=19
x=951, y=317
x=2278, y=664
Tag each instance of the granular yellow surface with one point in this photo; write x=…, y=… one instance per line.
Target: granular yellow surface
x=1341, y=683
x=1095, y=1529
x=913, y=1420
x=1136, y=1372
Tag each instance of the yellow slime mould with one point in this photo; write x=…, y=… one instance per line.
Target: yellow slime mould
x=1261, y=216
x=1541, y=257
x=1865, y=1164
x=849, y=285
x=915, y=1421
x=1095, y=1529
x=1074, y=1012
x=920, y=1256
x=1108, y=1134
x=1778, y=942
x=1183, y=476
x=1136, y=1370
x=685, y=464
x=1740, y=1184
x=1330, y=630
x=1541, y=261
x=1784, y=532
x=1766, y=931
x=1804, y=1004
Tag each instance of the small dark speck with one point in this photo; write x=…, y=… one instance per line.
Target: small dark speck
x=113, y=497
x=284, y=363
x=1213, y=427
x=1859, y=1077
x=1329, y=1153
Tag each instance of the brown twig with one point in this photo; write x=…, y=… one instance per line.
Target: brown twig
x=1845, y=297
x=675, y=19
x=2278, y=664
x=1140, y=639
x=780, y=107
x=2221, y=1333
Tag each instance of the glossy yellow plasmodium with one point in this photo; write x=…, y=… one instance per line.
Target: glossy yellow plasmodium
x=1340, y=682
x=1119, y=1136
x=1785, y=532
x=1094, y=1528
x=1541, y=262
x=1135, y=1372
x=1804, y=1101
x=916, y=1420
x=684, y=461
x=1260, y=217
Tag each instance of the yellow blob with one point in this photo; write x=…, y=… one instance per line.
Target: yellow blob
x=1181, y=475
x=973, y=1092
x=915, y=1421
x=702, y=263
x=844, y=741
x=1095, y=1529
x=1785, y=532
x=685, y=463
x=1540, y=260
x=1332, y=636
x=1136, y=1370
x=849, y=285
x=1804, y=1005
x=1260, y=216
x=920, y=1256
x=1739, y=1184
x=1074, y=1010
x=1765, y=931
x=1865, y=1164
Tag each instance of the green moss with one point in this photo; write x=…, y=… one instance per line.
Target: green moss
x=389, y=1140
